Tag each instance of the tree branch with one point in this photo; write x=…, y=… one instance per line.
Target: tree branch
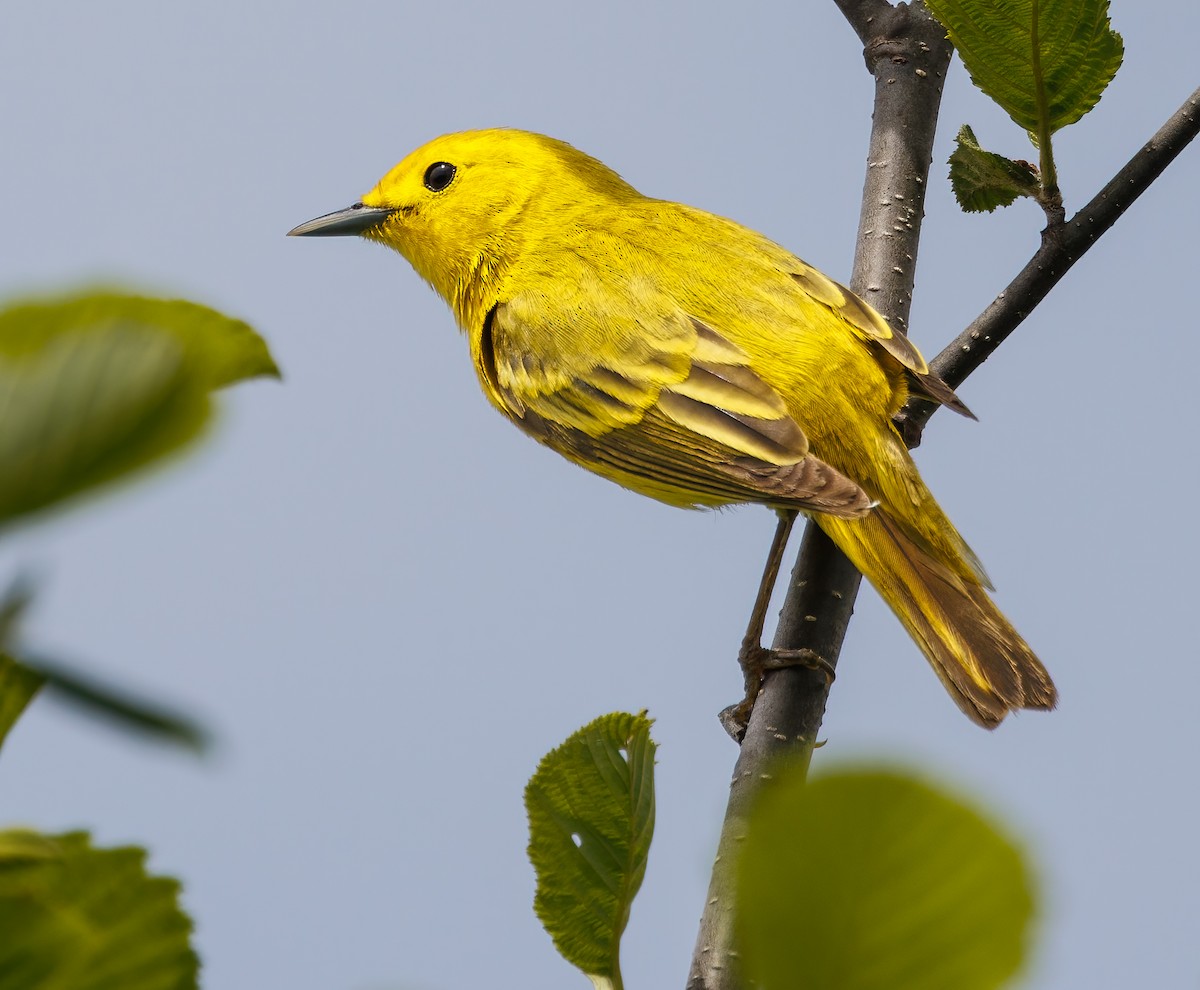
x=865, y=16
x=1061, y=247
x=908, y=54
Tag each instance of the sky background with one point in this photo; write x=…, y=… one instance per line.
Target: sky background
x=388, y=603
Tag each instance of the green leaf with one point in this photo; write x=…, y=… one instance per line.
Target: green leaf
x=983, y=180
x=591, y=819
x=89, y=408
x=19, y=845
x=100, y=385
x=78, y=918
x=1045, y=63
x=118, y=706
x=220, y=349
x=872, y=880
x=18, y=685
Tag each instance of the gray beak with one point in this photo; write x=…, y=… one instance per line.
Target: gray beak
x=357, y=219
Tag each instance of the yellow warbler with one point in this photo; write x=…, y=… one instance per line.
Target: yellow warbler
x=692, y=360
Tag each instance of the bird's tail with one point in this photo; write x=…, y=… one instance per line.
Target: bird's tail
x=981, y=659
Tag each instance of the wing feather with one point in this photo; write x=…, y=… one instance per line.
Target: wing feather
x=872, y=326
x=665, y=405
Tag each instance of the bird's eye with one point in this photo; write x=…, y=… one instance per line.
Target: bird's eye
x=439, y=175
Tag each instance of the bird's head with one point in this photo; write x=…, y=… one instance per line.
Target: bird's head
x=474, y=200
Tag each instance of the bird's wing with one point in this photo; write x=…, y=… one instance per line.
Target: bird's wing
x=655, y=399
x=873, y=327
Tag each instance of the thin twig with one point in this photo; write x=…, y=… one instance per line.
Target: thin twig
x=1060, y=249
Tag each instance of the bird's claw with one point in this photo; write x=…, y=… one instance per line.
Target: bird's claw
x=756, y=660
x=778, y=659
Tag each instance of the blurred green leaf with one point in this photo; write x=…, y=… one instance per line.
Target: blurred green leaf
x=20, y=845
x=95, y=387
x=88, y=408
x=117, y=705
x=591, y=819
x=1044, y=63
x=872, y=880
x=78, y=918
x=18, y=685
x=983, y=180
x=220, y=349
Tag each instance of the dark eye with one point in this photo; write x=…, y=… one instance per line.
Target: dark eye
x=439, y=175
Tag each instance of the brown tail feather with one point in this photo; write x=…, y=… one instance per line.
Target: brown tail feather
x=982, y=660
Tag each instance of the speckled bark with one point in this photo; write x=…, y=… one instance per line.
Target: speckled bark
x=907, y=53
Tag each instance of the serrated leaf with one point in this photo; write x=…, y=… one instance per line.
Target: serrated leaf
x=18, y=685
x=873, y=880
x=591, y=819
x=983, y=180
x=74, y=917
x=1069, y=46
x=100, y=385
x=117, y=705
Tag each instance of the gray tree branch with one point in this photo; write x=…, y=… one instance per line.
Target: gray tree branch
x=907, y=51
x=863, y=15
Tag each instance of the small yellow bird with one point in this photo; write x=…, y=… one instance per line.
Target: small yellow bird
x=693, y=360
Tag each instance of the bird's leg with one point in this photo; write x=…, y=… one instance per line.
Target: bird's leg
x=755, y=658
x=752, y=653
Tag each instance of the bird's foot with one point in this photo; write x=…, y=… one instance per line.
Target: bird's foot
x=756, y=660
x=778, y=659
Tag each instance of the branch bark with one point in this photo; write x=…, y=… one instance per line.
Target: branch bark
x=907, y=51
x=862, y=16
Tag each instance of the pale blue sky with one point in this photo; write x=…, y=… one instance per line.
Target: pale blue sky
x=389, y=603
